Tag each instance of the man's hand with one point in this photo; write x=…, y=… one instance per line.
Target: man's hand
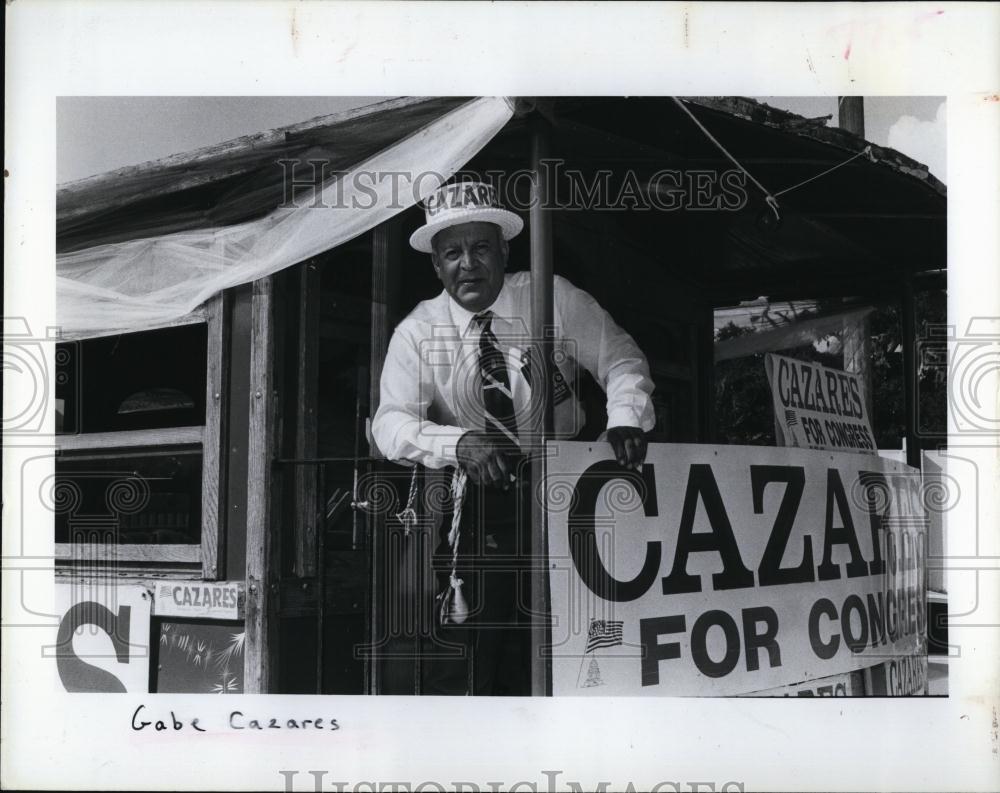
x=629, y=445
x=487, y=459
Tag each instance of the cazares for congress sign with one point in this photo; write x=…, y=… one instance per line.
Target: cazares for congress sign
x=816, y=407
x=720, y=570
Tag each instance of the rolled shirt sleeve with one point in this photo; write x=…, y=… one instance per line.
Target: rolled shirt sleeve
x=610, y=355
x=400, y=427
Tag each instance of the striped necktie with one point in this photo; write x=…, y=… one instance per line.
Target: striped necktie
x=497, y=400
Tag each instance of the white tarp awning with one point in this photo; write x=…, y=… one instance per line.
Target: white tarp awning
x=142, y=283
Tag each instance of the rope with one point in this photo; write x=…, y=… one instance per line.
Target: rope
x=408, y=517
x=866, y=152
x=458, y=482
x=448, y=612
x=771, y=202
x=771, y=199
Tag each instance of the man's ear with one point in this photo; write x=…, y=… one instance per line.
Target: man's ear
x=435, y=263
x=504, y=248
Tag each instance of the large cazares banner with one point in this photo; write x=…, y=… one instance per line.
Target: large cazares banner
x=720, y=570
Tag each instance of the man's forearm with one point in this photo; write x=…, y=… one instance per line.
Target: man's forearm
x=402, y=437
x=629, y=389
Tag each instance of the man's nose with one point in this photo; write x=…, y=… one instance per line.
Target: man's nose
x=468, y=261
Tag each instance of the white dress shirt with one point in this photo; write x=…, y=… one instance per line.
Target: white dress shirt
x=431, y=386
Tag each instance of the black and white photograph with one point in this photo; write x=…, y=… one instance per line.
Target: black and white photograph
x=311, y=401
x=397, y=414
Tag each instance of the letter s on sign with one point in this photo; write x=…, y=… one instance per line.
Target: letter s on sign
x=77, y=675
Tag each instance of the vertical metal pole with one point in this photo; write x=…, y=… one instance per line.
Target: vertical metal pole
x=908, y=332
x=542, y=318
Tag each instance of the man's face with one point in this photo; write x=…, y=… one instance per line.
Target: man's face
x=470, y=260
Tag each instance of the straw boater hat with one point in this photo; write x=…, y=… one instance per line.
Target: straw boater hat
x=464, y=202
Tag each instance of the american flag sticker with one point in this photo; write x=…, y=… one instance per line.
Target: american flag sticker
x=604, y=633
x=790, y=418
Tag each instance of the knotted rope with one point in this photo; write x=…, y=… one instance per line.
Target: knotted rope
x=771, y=199
x=408, y=517
x=453, y=605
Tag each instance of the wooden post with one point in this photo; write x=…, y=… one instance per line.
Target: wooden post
x=213, y=459
x=239, y=316
x=542, y=326
x=851, y=114
x=260, y=648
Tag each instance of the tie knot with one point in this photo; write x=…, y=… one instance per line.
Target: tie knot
x=484, y=319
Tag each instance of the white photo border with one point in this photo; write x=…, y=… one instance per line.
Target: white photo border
x=53, y=740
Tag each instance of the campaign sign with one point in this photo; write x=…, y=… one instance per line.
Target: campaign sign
x=850, y=684
x=207, y=600
x=721, y=570
x=816, y=407
x=102, y=642
x=898, y=677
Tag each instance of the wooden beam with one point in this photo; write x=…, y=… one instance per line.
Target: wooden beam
x=195, y=317
x=239, y=310
x=213, y=460
x=259, y=669
x=147, y=574
x=171, y=436
x=114, y=552
x=542, y=324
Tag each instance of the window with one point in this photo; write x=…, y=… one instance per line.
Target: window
x=138, y=421
x=828, y=332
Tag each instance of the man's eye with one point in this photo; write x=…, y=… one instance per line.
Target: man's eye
x=483, y=247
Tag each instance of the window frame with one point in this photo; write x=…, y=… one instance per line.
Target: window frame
x=207, y=438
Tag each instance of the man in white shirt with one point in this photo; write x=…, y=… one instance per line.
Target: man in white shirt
x=455, y=390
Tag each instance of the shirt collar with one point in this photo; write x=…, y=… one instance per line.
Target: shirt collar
x=502, y=309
